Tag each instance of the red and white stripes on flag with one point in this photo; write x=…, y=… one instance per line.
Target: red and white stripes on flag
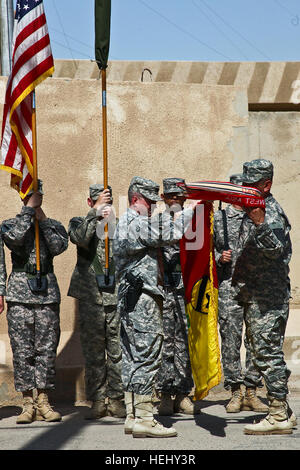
x=32, y=62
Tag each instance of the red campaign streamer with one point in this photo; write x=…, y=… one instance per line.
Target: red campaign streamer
x=223, y=191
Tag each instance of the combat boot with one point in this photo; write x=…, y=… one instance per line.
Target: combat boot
x=116, y=408
x=276, y=422
x=44, y=411
x=97, y=410
x=145, y=425
x=166, y=405
x=252, y=402
x=292, y=417
x=183, y=404
x=28, y=411
x=129, y=421
x=236, y=401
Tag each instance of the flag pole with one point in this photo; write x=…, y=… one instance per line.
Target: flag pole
x=35, y=188
x=105, y=166
x=102, y=39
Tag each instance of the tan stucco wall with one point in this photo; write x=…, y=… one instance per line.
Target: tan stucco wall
x=155, y=130
x=266, y=82
x=276, y=136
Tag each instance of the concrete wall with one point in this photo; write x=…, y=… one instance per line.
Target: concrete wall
x=276, y=136
x=268, y=83
x=156, y=130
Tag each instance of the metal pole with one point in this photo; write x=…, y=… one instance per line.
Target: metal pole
x=7, y=27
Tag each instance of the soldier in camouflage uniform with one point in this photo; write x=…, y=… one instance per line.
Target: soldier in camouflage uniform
x=138, y=262
x=227, y=224
x=33, y=318
x=2, y=275
x=261, y=281
x=175, y=373
x=99, y=320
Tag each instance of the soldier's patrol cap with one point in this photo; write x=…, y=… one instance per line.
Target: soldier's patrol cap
x=170, y=185
x=96, y=189
x=147, y=188
x=237, y=178
x=39, y=190
x=257, y=170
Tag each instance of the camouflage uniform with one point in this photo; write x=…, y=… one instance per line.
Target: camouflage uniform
x=136, y=252
x=99, y=320
x=231, y=312
x=175, y=373
x=261, y=282
x=33, y=319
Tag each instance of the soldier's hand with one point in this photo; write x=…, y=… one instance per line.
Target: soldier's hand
x=226, y=256
x=35, y=200
x=193, y=203
x=104, y=211
x=40, y=214
x=1, y=303
x=257, y=214
x=103, y=199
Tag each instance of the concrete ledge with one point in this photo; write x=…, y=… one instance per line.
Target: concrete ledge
x=266, y=82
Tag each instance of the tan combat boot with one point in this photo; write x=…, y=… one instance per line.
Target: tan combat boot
x=252, y=402
x=97, y=410
x=183, y=404
x=292, y=417
x=129, y=421
x=236, y=401
x=276, y=422
x=145, y=425
x=28, y=411
x=44, y=412
x=116, y=408
x=166, y=405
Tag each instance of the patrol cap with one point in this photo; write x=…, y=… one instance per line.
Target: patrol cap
x=237, y=178
x=39, y=190
x=257, y=170
x=147, y=188
x=96, y=189
x=170, y=185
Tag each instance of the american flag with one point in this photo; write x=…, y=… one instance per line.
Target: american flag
x=32, y=62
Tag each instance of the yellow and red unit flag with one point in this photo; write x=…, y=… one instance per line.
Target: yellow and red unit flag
x=201, y=295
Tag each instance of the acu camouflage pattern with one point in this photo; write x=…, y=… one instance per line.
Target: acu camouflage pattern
x=34, y=333
x=83, y=285
x=147, y=188
x=33, y=320
x=99, y=320
x=141, y=342
x=230, y=311
x=262, y=268
x=96, y=189
x=257, y=170
x=136, y=250
x=100, y=340
x=136, y=242
x=175, y=373
x=19, y=236
x=261, y=281
x=170, y=185
x=2, y=269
